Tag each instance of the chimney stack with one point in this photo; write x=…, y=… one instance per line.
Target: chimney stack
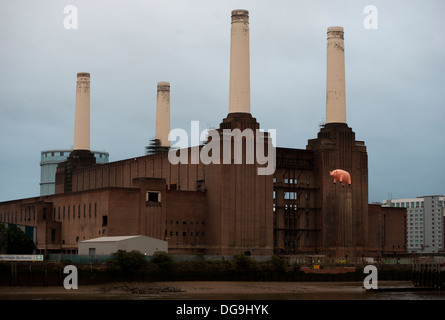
x=82, y=113
x=335, y=83
x=163, y=114
x=239, y=94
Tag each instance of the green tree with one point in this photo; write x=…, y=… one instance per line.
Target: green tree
x=16, y=240
x=278, y=263
x=3, y=235
x=128, y=261
x=162, y=259
x=242, y=262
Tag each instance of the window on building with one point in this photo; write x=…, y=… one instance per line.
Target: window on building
x=153, y=196
x=53, y=235
x=104, y=221
x=290, y=195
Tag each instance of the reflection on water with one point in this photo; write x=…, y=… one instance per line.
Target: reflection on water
x=428, y=295
x=409, y=295
x=433, y=295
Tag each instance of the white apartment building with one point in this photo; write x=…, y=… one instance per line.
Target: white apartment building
x=424, y=221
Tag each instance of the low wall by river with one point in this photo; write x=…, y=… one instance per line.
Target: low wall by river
x=52, y=274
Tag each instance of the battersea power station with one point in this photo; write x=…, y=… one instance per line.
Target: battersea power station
x=234, y=193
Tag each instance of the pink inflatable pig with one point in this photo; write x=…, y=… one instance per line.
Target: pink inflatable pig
x=342, y=176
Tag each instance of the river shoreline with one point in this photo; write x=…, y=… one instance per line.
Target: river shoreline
x=212, y=290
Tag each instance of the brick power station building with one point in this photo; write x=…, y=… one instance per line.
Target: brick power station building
x=221, y=208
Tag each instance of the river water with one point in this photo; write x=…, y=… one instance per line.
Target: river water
x=409, y=295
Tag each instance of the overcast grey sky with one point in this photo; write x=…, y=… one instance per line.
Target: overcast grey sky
x=395, y=79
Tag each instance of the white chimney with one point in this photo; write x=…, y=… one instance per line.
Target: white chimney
x=82, y=115
x=163, y=114
x=335, y=83
x=239, y=94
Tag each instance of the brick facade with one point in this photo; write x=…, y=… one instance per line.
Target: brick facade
x=222, y=209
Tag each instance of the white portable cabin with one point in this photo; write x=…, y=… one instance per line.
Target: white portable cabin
x=110, y=245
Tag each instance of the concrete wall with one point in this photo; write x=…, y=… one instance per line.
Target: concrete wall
x=186, y=221
x=387, y=230
x=122, y=173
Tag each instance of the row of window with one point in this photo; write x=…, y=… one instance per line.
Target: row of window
x=184, y=234
x=290, y=195
x=15, y=217
x=46, y=154
x=420, y=244
x=290, y=181
x=421, y=222
x=410, y=211
x=421, y=237
x=415, y=204
x=412, y=204
x=421, y=232
x=65, y=212
x=62, y=153
x=185, y=222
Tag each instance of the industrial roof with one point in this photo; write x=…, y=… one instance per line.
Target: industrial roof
x=111, y=239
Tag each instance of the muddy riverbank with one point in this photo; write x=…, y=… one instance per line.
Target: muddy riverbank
x=221, y=290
